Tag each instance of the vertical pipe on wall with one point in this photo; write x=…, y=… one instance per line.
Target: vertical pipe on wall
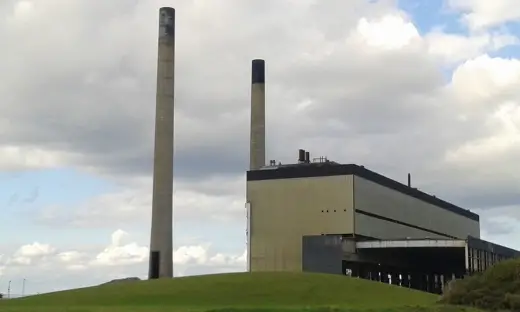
x=248, y=236
x=466, y=257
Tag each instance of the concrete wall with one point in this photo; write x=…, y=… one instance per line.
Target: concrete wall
x=283, y=211
x=375, y=199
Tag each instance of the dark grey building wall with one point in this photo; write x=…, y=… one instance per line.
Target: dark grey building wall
x=385, y=213
x=322, y=254
x=499, y=250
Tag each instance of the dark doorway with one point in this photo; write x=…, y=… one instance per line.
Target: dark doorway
x=154, y=265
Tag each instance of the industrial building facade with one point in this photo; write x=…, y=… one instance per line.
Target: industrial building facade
x=327, y=217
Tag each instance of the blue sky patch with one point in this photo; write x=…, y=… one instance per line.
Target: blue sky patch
x=27, y=193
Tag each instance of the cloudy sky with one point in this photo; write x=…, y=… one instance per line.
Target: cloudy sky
x=428, y=87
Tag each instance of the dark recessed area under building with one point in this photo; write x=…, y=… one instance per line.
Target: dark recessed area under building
x=420, y=264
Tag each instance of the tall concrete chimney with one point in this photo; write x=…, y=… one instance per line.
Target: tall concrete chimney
x=257, y=143
x=161, y=240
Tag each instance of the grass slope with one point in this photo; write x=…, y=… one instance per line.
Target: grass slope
x=274, y=291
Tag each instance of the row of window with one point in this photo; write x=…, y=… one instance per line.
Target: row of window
x=332, y=210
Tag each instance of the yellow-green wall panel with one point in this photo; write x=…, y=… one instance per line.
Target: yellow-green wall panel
x=284, y=210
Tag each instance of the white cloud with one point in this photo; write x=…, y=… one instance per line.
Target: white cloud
x=484, y=79
x=217, y=198
x=74, y=260
x=27, y=254
x=26, y=158
x=190, y=254
x=122, y=255
x=487, y=88
x=389, y=33
x=121, y=258
x=480, y=14
x=454, y=48
x=222, y=259
x=35, y=250
x=504, y=140
x=118, y=253
x=2, y=267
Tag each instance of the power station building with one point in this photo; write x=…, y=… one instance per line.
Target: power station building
x=322, y=216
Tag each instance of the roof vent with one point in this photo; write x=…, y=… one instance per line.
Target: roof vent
x=301, y=156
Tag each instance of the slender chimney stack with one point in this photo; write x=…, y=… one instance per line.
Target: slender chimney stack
x=308, y=157
x=257, y=140
x=409, y=180
x=161, y=240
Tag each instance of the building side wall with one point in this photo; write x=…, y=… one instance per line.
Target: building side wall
x=285, y=210
x=381, y=229
x=389, y=204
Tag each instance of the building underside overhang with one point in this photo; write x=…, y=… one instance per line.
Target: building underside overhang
x=411, y=243
x=425, y=264
x=432, y=255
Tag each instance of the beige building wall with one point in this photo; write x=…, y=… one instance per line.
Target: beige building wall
x=383, y=201
x=284, y=210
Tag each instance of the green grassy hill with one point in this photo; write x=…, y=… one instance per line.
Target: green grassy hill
x=264, y=291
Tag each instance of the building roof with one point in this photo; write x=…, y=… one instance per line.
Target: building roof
x=324, y=169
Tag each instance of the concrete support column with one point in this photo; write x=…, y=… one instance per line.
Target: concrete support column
x=370, y=274
x=394, y=276
x=374, y=272
x=384, y=275
x=430, y=282
x=423, y=281
x=355, y=267
x=446, y=278
x=405, y=281
x=438, y=283
x=363, y=271
x=415, y=280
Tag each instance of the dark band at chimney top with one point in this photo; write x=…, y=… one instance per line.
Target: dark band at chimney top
x=258, y=71
x=166, y=22
x=168, y=10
